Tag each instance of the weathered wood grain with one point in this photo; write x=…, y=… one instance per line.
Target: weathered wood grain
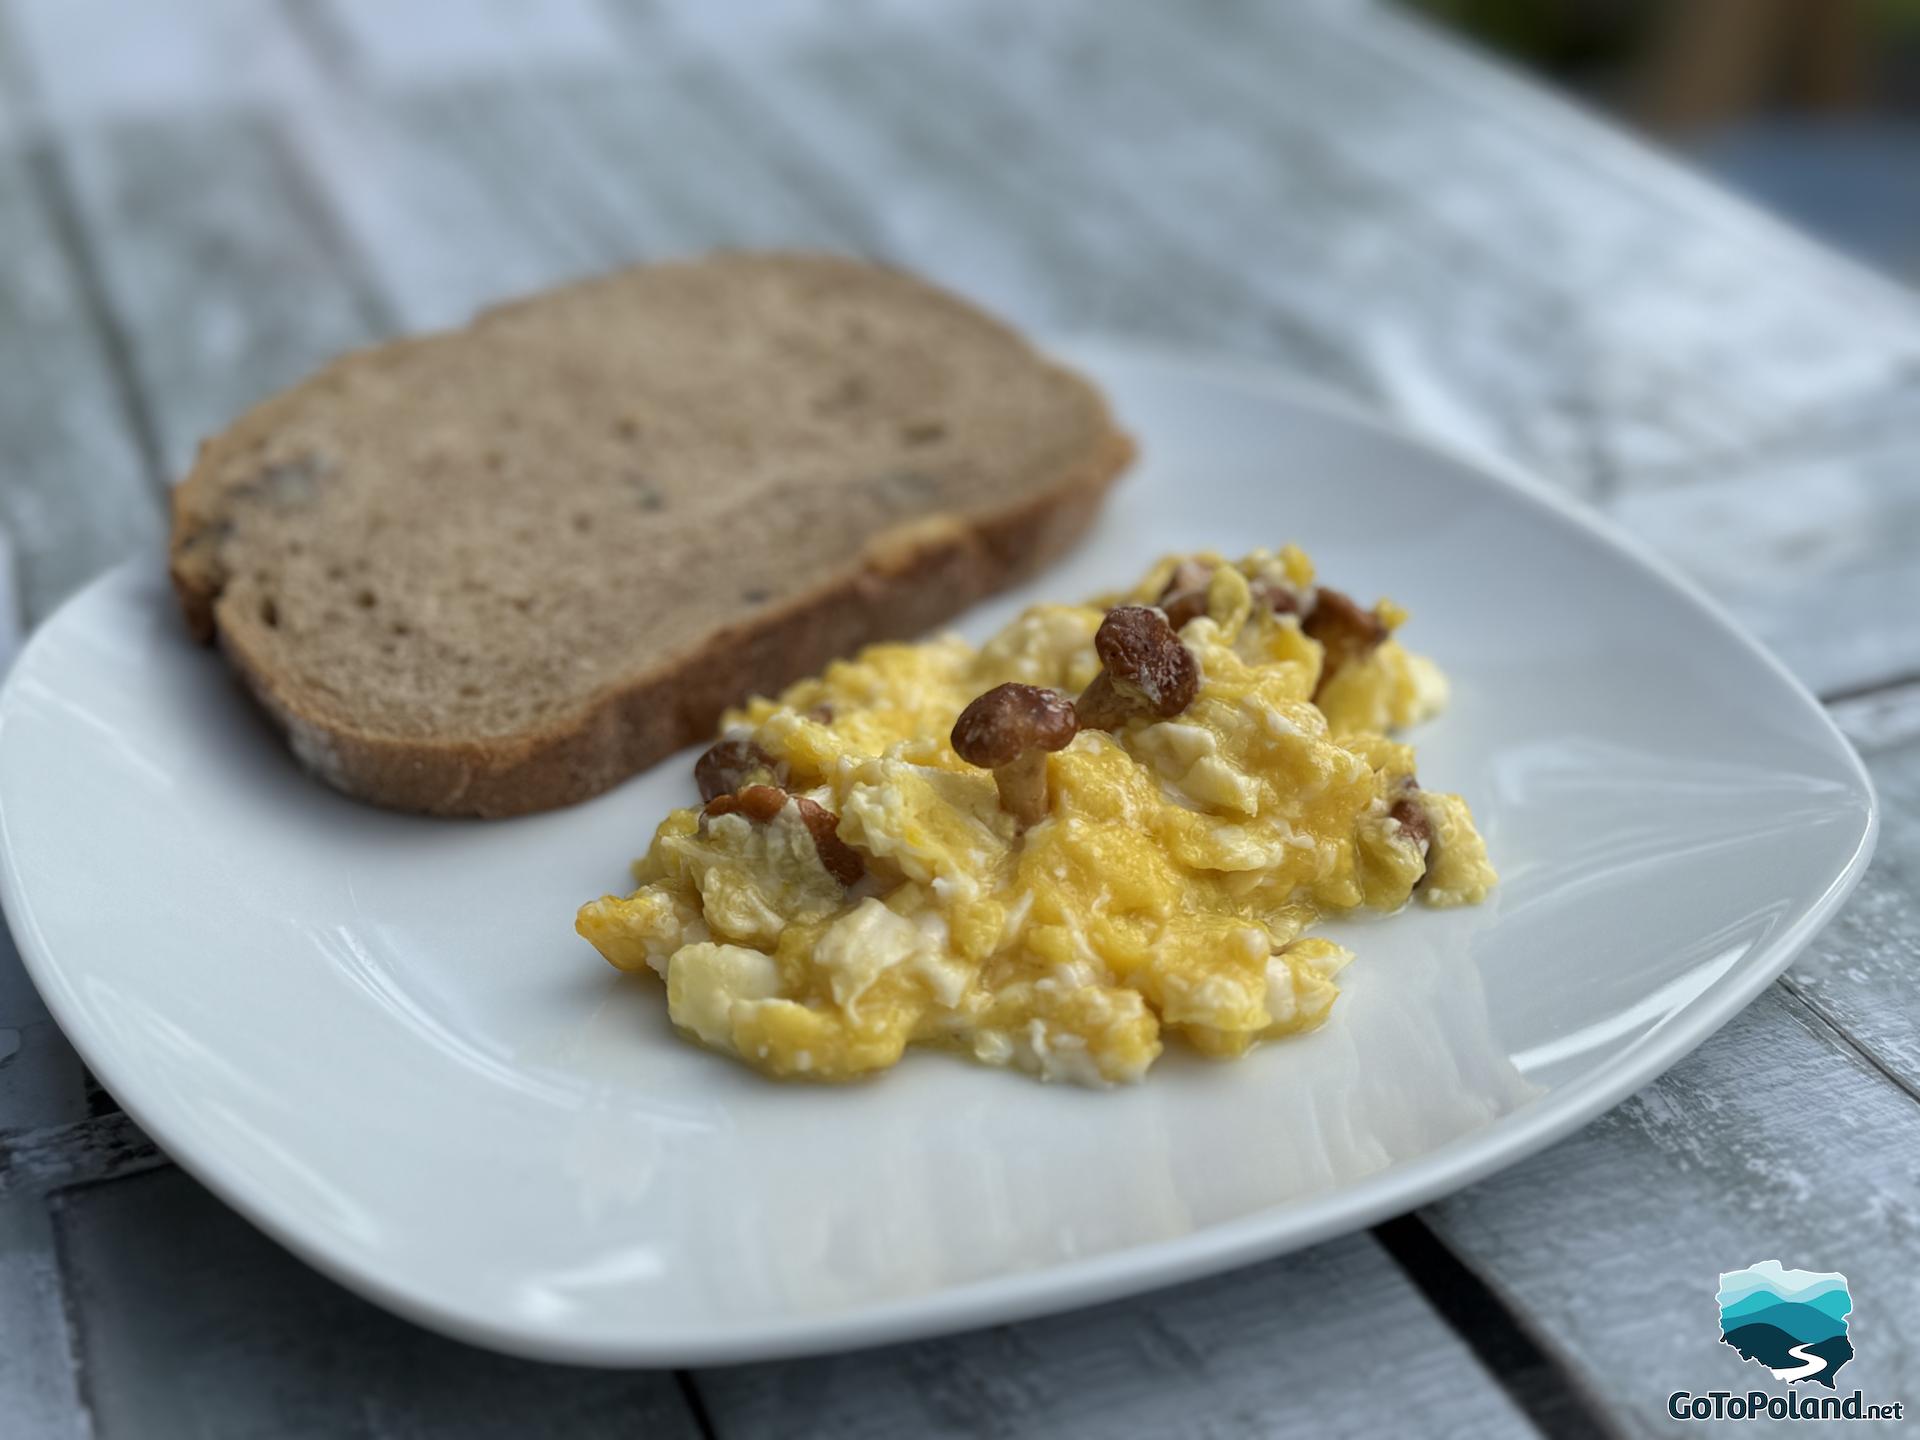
x=1880, y=719
x=1273, y=1350
x=634, y=155
x=1812, y=548
x=1775, y=1140
x=50, y=1158
x=1676, y=299
x=37, y=1391
x=984, y=201
x=222, y=270
x=438, y=240
x=39, y=1395
x=76, y=495
x=430, y=40
x=1202, y=140
x=192, y=1324
x=101, y=59
x=1863, y=973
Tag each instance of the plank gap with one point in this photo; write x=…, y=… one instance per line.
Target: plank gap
x=1532, y=1378
x=1838, y=1036
x=1879, y=718
x=100, y=1101
x=1866, y=688
x=696, y=1403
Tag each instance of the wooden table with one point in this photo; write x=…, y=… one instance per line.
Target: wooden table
x=200, y=201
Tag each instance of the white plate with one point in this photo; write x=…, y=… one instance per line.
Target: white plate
x=378, y=1037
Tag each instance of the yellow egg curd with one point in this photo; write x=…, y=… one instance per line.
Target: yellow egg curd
x=1166, y=889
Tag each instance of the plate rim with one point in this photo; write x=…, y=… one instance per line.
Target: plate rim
x=1091, y=1280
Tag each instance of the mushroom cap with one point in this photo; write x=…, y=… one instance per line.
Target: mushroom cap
x=1185, y=595
x=761, y=803
x=1009, y=720
x=1138, y=646
x=1347, y=632
x=729, y=763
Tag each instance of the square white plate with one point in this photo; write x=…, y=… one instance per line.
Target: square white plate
x=378, y=1037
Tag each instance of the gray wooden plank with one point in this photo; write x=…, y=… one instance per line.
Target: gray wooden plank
x=552, y=176
x=431, y=40
x=994, y=206
x=1660, y=279
x=1812, y=547
x=224, y=273
x=634, y=156
x=1177, y=177
x=1272, y=1350
x=100, y=59
x=190, y=1323
x=42, y=1081
x=39, y=1392
x=76, y=496
x=1859, y=974
x=1775, y=1140
x=1881, y=718
x=40, y=1161
x=1217, y=170
x=440, y=240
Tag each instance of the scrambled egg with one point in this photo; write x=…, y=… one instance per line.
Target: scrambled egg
x=1166, y=890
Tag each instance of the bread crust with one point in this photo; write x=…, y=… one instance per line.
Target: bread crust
x=904, y=582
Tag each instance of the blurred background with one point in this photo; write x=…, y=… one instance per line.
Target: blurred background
x=1811, y=107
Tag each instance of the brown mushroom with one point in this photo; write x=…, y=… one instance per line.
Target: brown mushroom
x=1010, y=730
x=1346, y=632
x=731, y=764
x=1410, y=813
x=1277, y=598
x=1185, y=595
x=761, y=803
x=1148, y=670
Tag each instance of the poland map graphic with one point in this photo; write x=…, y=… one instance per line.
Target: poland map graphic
x=1794, y=1322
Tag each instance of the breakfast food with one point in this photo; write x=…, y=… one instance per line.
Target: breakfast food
x=501, y=569
x=1111, y=822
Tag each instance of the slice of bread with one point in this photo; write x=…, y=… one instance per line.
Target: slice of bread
x=501, y=569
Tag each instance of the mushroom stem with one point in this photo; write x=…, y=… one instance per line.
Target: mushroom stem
x=1010, y=730
x=1102, y=705
x=1185, y=595
x=1023, y=786
x=1148, y=671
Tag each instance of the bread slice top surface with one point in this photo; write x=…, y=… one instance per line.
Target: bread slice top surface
x=475, y=536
